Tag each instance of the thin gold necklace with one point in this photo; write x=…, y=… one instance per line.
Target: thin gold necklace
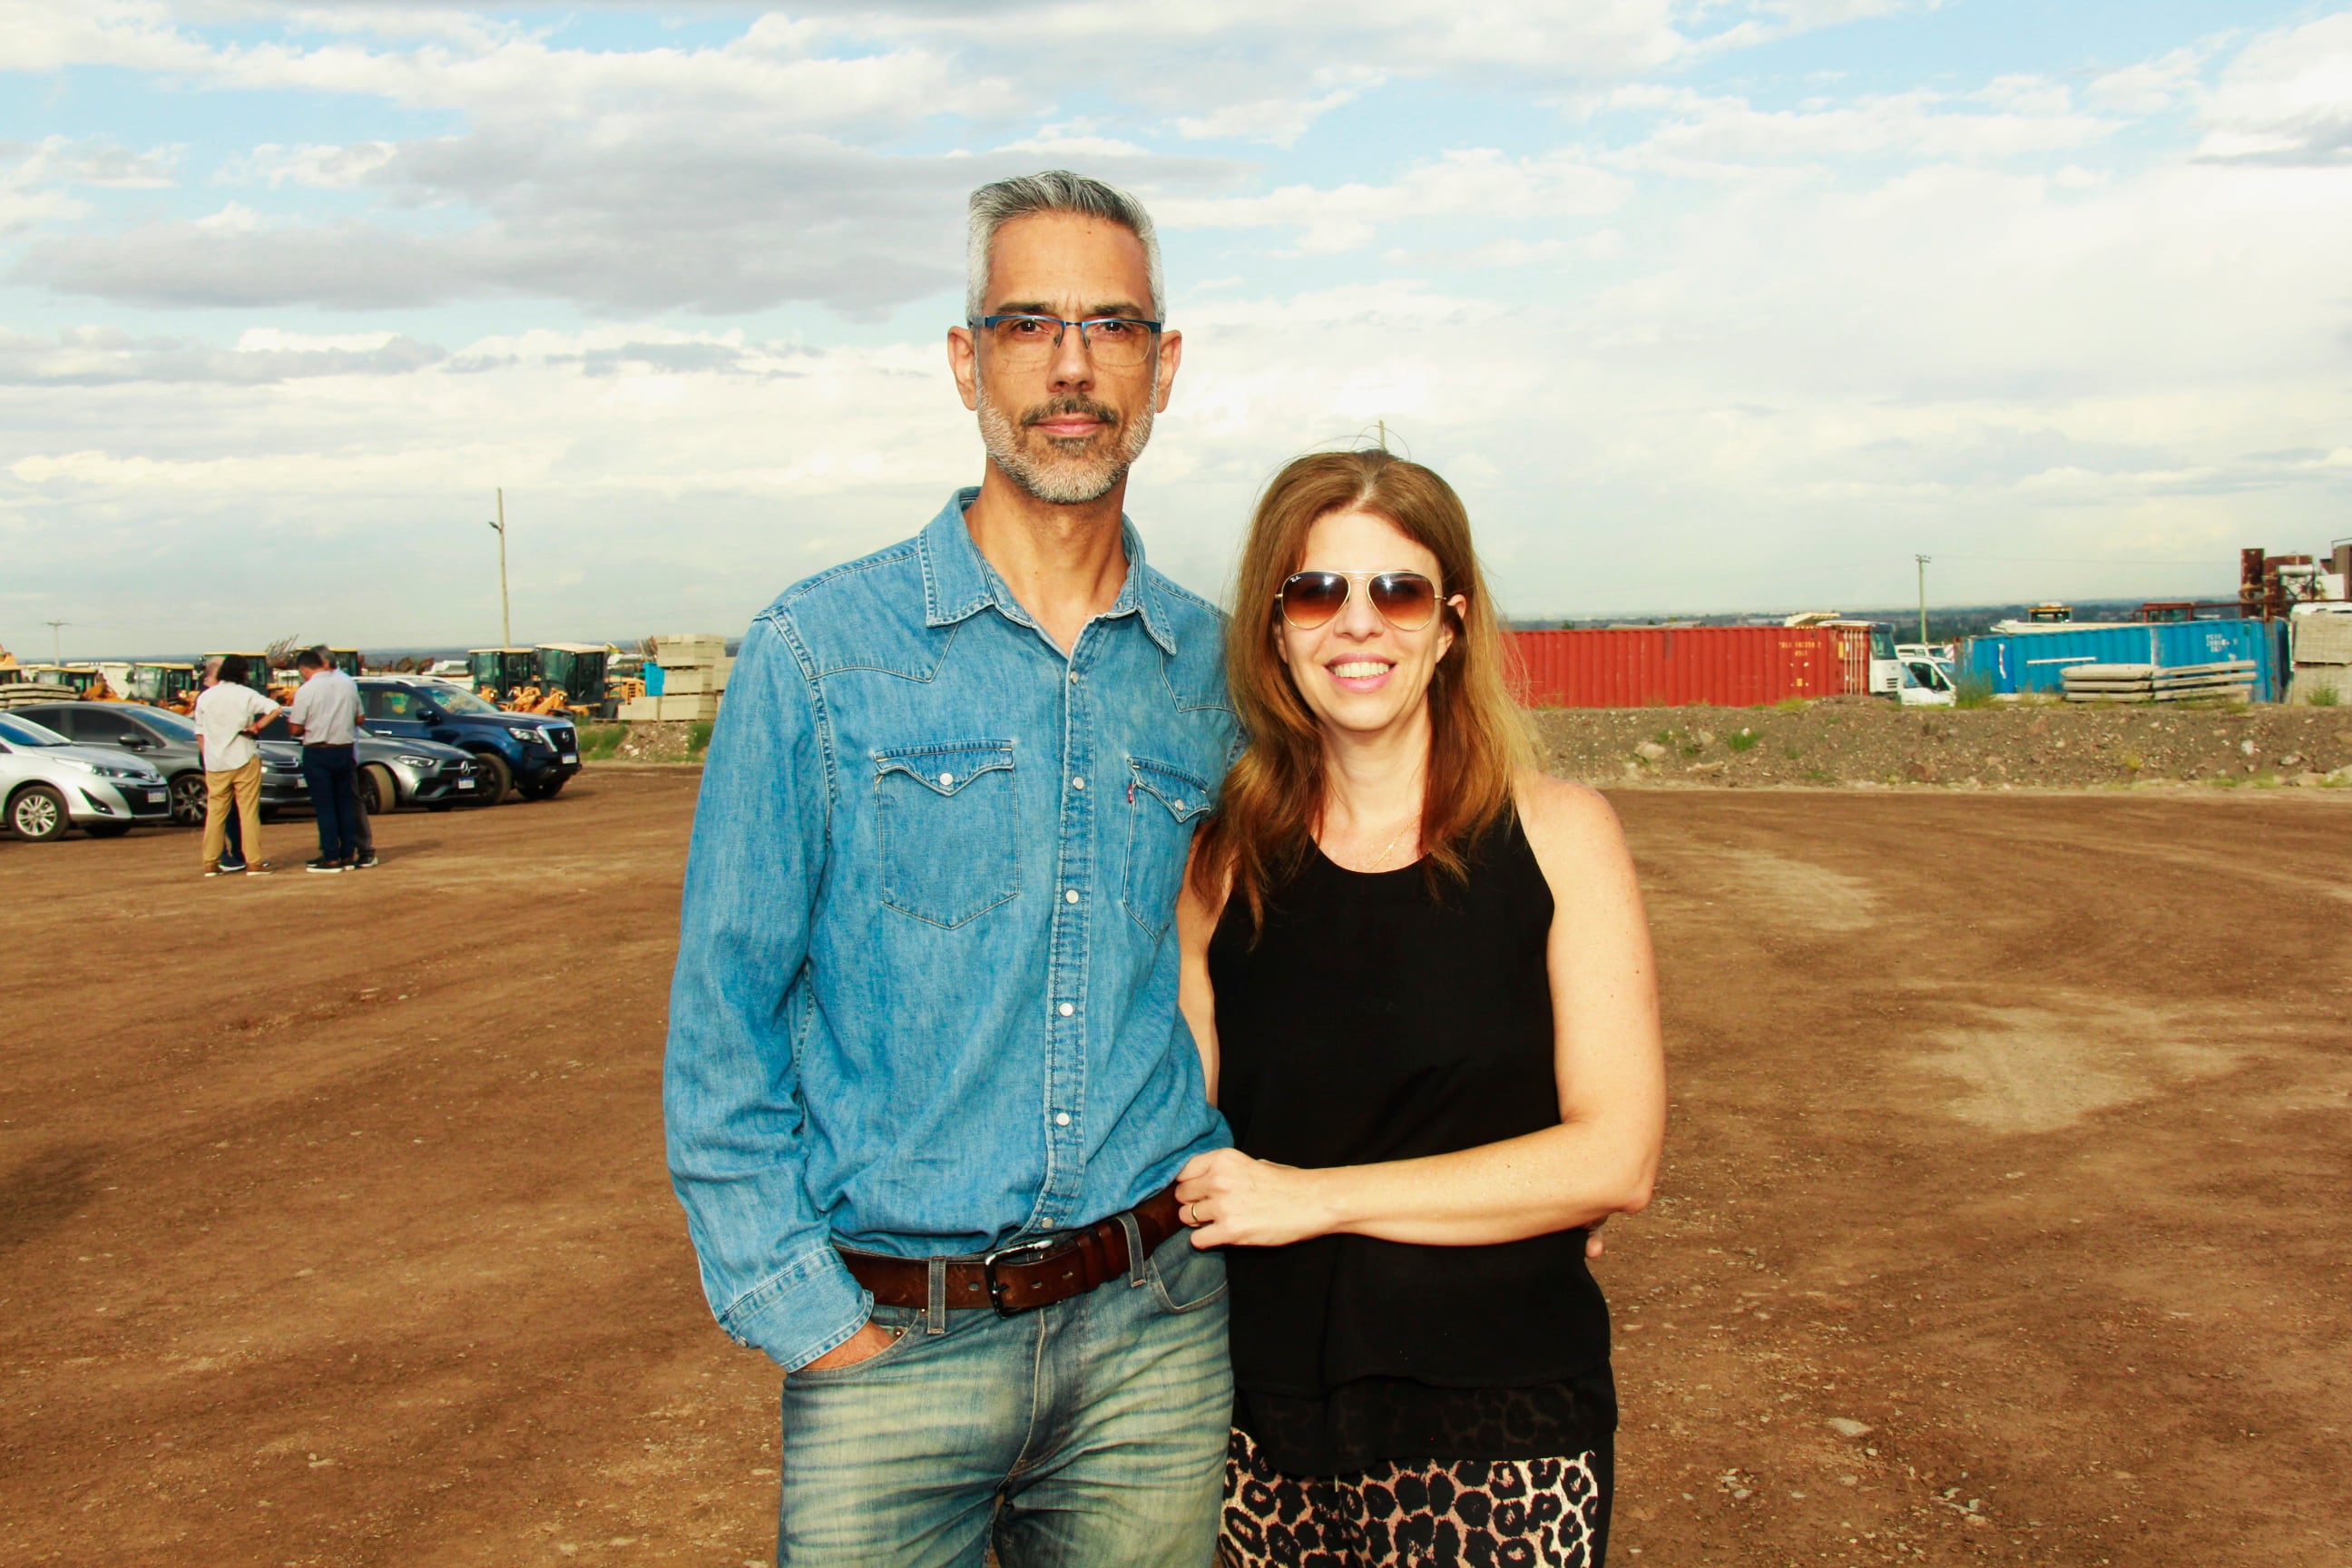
x=1389, y=848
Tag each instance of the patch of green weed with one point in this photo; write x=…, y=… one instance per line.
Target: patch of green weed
x=697, y=739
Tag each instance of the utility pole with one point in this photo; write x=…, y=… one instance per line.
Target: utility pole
x=506, y=621
x=57, y=640
x=1923, y=561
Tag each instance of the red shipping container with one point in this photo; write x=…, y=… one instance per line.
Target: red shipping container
x=1677, y=666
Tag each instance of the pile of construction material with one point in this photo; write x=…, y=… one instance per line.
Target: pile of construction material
x=2231, y=680
x=684, y=679
x=2322, y=638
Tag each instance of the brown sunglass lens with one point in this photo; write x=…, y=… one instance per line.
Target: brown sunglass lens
x=1407, y=598
x=1311, y=598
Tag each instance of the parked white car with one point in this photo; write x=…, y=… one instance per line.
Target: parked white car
x=48, y=784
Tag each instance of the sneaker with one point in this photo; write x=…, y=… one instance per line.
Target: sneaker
x=324, y=866
x=221, y=870
x=259, y=868
x=366, y=862
x=227, y=867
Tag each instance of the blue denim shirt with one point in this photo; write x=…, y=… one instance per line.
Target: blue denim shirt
x=925, y=990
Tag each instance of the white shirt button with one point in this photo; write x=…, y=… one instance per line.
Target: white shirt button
x=1077, y=783
x=946, y=779
x=1061, y=1119
x=1067, y=1009
x=1070, y=897
x=1074, y=678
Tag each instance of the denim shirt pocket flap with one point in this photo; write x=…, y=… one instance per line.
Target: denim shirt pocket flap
x=1186, y=795
x=946, y=768
x=947, y=831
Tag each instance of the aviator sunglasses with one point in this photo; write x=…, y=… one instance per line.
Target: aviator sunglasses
x=1406, y=600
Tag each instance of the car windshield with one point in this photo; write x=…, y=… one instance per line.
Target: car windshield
x=166, y=722
x=25, y=732
x=461, y=702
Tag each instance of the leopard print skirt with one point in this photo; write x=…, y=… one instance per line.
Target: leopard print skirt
x=1476, y=1513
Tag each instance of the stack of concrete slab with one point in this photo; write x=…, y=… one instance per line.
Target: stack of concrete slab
x=684, y=679
x=2322, y=638
x=2230, y=680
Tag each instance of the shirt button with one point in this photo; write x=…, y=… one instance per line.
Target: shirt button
x=1066, y=1009
x=1077, y=783
x=1071, y=897
x=1074, y=678
x=1061, y=1119
x=946, y=779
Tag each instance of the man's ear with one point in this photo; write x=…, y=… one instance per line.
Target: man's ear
x=1172, y=350
x=963, y=362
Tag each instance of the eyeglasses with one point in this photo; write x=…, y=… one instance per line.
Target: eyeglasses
x=1116, y=343
x=1406, y=600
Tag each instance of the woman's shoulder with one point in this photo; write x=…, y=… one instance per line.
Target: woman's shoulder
x=1568, y=825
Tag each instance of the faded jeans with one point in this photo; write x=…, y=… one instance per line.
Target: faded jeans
x=1089, y=1433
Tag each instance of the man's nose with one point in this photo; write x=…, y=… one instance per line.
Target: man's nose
x=1073, y=367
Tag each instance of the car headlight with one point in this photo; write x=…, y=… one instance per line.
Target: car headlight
x=117, y=770
x=529, y=737
x=407, y=760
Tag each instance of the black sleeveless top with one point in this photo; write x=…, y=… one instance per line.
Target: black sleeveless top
x=1378, y=1019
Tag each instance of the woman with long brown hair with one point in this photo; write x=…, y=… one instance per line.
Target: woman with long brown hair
x=1420, y=980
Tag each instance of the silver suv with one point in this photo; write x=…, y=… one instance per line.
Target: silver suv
x=168, y=741
x=48, y=784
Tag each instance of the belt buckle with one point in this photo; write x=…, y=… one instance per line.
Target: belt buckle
x=1038, y=1250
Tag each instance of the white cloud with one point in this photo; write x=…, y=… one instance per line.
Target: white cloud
x=1476, y=182
x=2286, y=98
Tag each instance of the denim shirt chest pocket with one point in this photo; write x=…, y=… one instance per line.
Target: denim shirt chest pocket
x=1163, y=802
x=947, y=829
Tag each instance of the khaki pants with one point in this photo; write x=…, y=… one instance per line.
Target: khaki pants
x=238, y=788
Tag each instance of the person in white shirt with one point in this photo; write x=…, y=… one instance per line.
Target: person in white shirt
x=227, y=717
x=325, y=713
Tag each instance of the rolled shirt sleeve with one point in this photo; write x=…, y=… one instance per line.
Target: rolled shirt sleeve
x=730, y=1093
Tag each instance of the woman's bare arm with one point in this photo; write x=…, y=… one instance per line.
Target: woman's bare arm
x=1608, y=1058
x=1196, y=922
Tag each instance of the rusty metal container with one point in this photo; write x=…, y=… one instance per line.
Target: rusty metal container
x=1680, y=667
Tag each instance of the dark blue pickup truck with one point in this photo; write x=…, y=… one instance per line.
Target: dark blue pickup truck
x=530, y=755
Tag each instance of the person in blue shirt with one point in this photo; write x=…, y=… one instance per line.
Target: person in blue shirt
x=927, y=1087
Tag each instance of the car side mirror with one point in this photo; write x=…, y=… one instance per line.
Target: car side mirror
x=428, y=715
x=134, y=742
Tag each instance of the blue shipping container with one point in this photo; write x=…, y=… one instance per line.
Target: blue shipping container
x=2037, y=661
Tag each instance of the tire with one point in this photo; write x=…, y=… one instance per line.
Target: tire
x=188, y=800
x=498, y=779
x=545, y=789
x=107, y=829
x=37, y=813
x=379, y=791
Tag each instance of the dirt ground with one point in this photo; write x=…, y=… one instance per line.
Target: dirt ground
x=2003, y=1219
x=1869, y=740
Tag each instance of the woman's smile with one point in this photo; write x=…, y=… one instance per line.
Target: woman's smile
x=1359, y=673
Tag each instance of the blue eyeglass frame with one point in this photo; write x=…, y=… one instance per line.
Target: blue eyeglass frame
x=1061, y=326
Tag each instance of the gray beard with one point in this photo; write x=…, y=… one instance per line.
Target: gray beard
x=1056, y=478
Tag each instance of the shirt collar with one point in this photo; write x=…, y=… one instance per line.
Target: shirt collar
x=958, y=581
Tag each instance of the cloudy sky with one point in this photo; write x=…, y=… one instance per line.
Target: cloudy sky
x=1704, y=304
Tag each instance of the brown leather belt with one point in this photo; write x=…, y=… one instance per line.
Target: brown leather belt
x=1020, y=1278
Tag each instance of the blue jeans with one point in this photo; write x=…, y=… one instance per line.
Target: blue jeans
x=1091, y=1432
x=332, y=773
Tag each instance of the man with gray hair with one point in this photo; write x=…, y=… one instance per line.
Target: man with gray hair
x=927, y=1088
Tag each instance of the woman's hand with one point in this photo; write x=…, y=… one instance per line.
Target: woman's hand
x=1232, y=1200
